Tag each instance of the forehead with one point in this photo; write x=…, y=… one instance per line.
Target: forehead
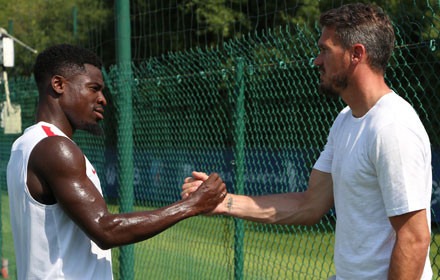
x=328, y=37
x=92, y=74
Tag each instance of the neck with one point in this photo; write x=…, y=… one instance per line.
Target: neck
x=50, y=115
x=364, y=93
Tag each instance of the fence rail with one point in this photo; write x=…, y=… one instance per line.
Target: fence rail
x=248, y=109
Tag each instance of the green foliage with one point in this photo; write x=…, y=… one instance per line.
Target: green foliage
x=306, y=13
x=218, y=15
x=185, y=114
x=41, y=23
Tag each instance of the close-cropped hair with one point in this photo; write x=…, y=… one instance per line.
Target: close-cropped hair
x=365, y=24
x=64, y=60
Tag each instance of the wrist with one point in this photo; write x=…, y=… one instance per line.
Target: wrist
x=226, y=206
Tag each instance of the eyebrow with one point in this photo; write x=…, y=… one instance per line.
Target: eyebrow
x=322, y=45
x=98, y=84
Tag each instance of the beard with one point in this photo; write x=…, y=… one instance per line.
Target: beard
x=89, y=125
x=337, y=84
x=94, y=129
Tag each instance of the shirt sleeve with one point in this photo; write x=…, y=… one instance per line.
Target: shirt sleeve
x=402, y=163
x=324, y=162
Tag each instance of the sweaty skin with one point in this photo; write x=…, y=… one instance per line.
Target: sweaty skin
x=77, y=102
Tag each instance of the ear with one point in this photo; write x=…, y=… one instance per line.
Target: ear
x=58, y=84
x=358, y=53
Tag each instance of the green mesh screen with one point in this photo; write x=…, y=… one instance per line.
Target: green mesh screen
x=247, y=108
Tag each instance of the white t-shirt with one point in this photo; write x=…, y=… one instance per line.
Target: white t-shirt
x=381, y=167
x=48, y=244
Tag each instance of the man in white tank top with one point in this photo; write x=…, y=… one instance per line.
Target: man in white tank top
x=375, y=168
x=61, y=226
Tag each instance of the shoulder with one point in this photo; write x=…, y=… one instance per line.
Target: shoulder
x=395, y=123
x=58, y=144
x=394, y=111
x=394, y=108
x=343, y=115
x=55, y=154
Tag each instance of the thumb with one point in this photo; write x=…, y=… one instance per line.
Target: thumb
x=200, y=175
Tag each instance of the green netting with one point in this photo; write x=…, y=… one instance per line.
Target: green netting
x=249, y=109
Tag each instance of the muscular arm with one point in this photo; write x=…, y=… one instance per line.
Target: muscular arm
x=62, y=175
x=411, y=247
x=298, y=208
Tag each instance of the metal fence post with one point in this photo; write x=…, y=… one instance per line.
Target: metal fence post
x=75, y=23
x=239, y=161
x=125, y=128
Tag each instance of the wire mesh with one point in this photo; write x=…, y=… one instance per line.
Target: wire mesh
x=186, y=111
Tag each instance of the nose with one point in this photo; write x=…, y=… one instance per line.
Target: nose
x=318, y=60
x=101, y=99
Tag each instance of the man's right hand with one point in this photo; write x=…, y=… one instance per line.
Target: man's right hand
x=191, y=184
x=206, y=192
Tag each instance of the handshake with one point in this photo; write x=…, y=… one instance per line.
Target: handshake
x=208, y=192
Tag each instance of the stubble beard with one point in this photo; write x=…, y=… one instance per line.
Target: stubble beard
x=94, y=129
x=337, y=84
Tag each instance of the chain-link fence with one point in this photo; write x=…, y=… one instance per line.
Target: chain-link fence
x=249, y=110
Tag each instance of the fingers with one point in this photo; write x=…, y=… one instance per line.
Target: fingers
x=208, y=194
x=213, y=177
x=199, y=175
x=215, y=180
x=188, y=190
x=212, y=182
x=189, y=187
x=224, y=191
x=196, y=176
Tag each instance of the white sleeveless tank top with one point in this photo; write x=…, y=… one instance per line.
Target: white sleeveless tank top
x=47, y=243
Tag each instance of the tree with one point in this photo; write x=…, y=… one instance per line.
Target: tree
x=41, y=23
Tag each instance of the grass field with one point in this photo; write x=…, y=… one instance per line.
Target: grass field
x=7, y=243
x=203, y=248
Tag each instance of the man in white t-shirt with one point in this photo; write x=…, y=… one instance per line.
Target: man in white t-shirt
x=375, y=168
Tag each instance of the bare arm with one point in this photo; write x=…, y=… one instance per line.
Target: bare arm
x=411, y=247
x=63, y=175
x=299, y=208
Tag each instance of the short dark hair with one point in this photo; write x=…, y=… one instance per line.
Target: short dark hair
x=64, y=60
x=365, y=24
